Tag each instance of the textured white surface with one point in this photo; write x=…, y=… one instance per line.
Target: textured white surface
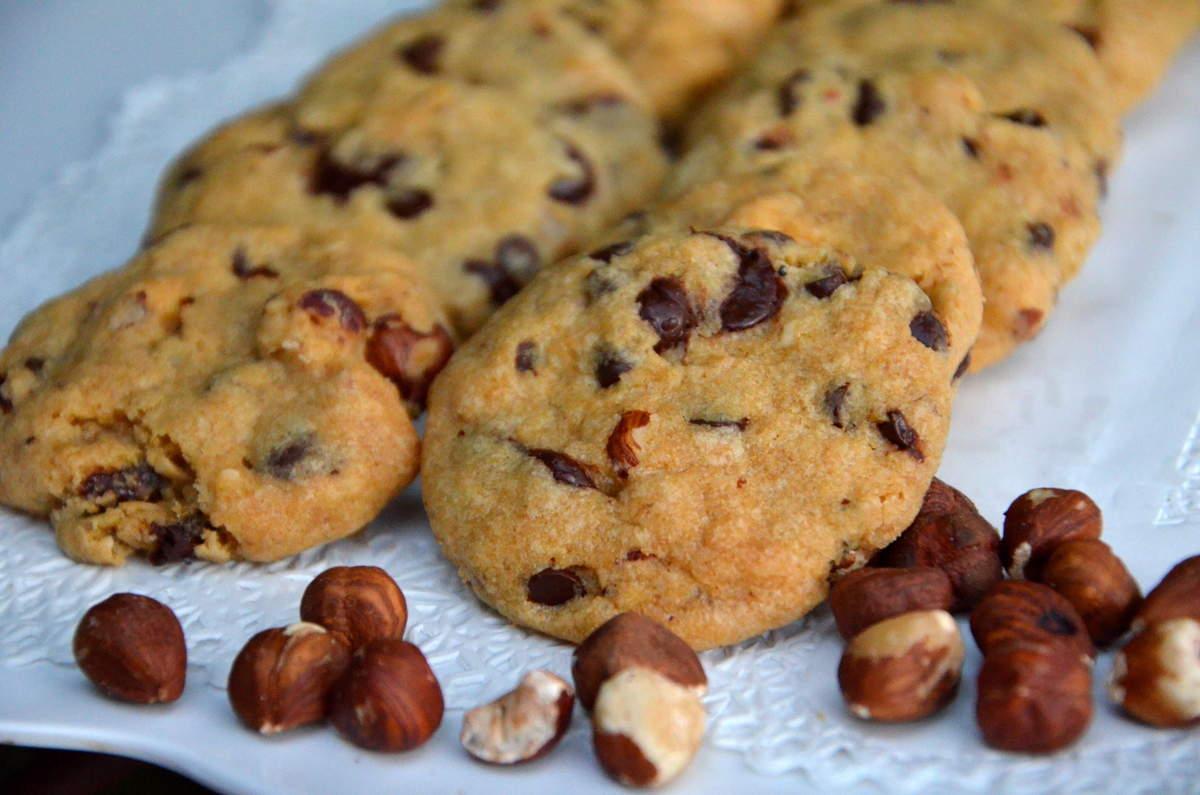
x=1106, y=401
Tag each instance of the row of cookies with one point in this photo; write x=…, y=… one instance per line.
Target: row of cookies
x=745, y=390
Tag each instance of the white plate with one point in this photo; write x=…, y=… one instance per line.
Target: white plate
x=1107, y=400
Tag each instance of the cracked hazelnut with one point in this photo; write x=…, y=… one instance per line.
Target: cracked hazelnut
x=1177, y=596
x=1041, y=519
x=950, y=534
x=1097, y=584
x=282, y=677
x=904, y=668
x=646, y=727
x=1156, y=677
x=522, y=725
x=1017, y=612
x=132, y=648
x=631, y=640
x=388, y=699
x=357, y=604
x=868, y=596
x=1033, y=698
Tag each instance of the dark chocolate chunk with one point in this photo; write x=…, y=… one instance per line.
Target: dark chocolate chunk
x=334, y=303
x=422, y=53
x=282, y=461
x=1041, y=235
x=526, y=358
x=828, y=284
x=789, y=91
x=578, y=188
x=870, y=104
x=331, y=177
x=928, y=330
x=897, y=431
x=135, y=483
x=244, y=270
x=720, y=423
x=758, y=294
x=553, y=587
x=408, y=203
x=177, y=541
x=564, y=468
x=665, y=306
x=610, y=366
x=608, y=253
x=1024, y=116
x=835, y=404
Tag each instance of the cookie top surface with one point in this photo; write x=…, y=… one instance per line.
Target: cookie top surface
x=698, y=426
x=1025, y=190
x=230, y=393
x=880, y=221
x=480, y=180
x=677, y=49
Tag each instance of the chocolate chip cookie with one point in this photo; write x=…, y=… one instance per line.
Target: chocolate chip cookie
x=991, y=113
x=231, y=393
x=678, y=49
x=889, y=222
x=482, y=147
x=700, y=426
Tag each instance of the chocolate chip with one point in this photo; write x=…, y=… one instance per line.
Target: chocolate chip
x=410, y=359
x=971, y=147
x=518, y=255
x=610, y=366
x=963, y=366
x=331, y=177
x=897, y=431
x=608, y=253
x=1024, y=116
x=526, y=358
x=869, y=105
x=622, y=448
x=6, y=405
x=564, y=468
x=827, y=285
x=835, y=404
x=187, y=176
x=329, y=303
x=634, y=555
x=177, y=541
x=597, y=284
x=1090, y=35
x=554, y=587
x=720, y=423
x=35, y=364
x=758, y=294
x=928, y=330
x=789, y=91
x=244, y=270
x=113, y=486
x=1041, y=235
x=664, y=305
x=282, y=461
x=575, y=189
x=1027, y=323
x=501, y=284
x=422, y=53
x=408, y=203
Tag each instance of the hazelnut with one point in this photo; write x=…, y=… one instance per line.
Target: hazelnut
x=1177, y=596
x=388, y=699
x=522, y=725
x=1040, y=520
x=646, y=727
x=1156, y=677
x=1016, y=612
x=282, y=677
x=357, y=604
x=631, y=640
x=868, y=596
x=904, y=668
x=1033, y=697
x=132, y=648
x=1097, y=584
x=949, y=533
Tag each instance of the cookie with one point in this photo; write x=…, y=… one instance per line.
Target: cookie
x=987, y=124
x=231, y=393
x=678, y=49
x=889, y=222
x=1135, y=40
x=699, y=426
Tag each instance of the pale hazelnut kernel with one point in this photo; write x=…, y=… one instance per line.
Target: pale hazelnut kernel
x=1156, y=677
x=523, y=724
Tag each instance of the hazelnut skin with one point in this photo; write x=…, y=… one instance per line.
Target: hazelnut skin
x=388, y=699
x=1177, y=596
x=1033, y=698
x=132, y=648
x=1041, y=519
x=1156, y=677
x=522, y=725
x=904, y=668
x=950, y=534
x=1097, y=584
x=282, y=677
x=357, y=604
x=1016, y=612
x=868, y=596
x=628, y=640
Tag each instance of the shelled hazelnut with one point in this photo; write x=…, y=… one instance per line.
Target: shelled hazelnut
x=388, y=699
x=132, y=648
x=870, y=595
x=1041, y=519
x=1097, y=584
x=357, y=604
